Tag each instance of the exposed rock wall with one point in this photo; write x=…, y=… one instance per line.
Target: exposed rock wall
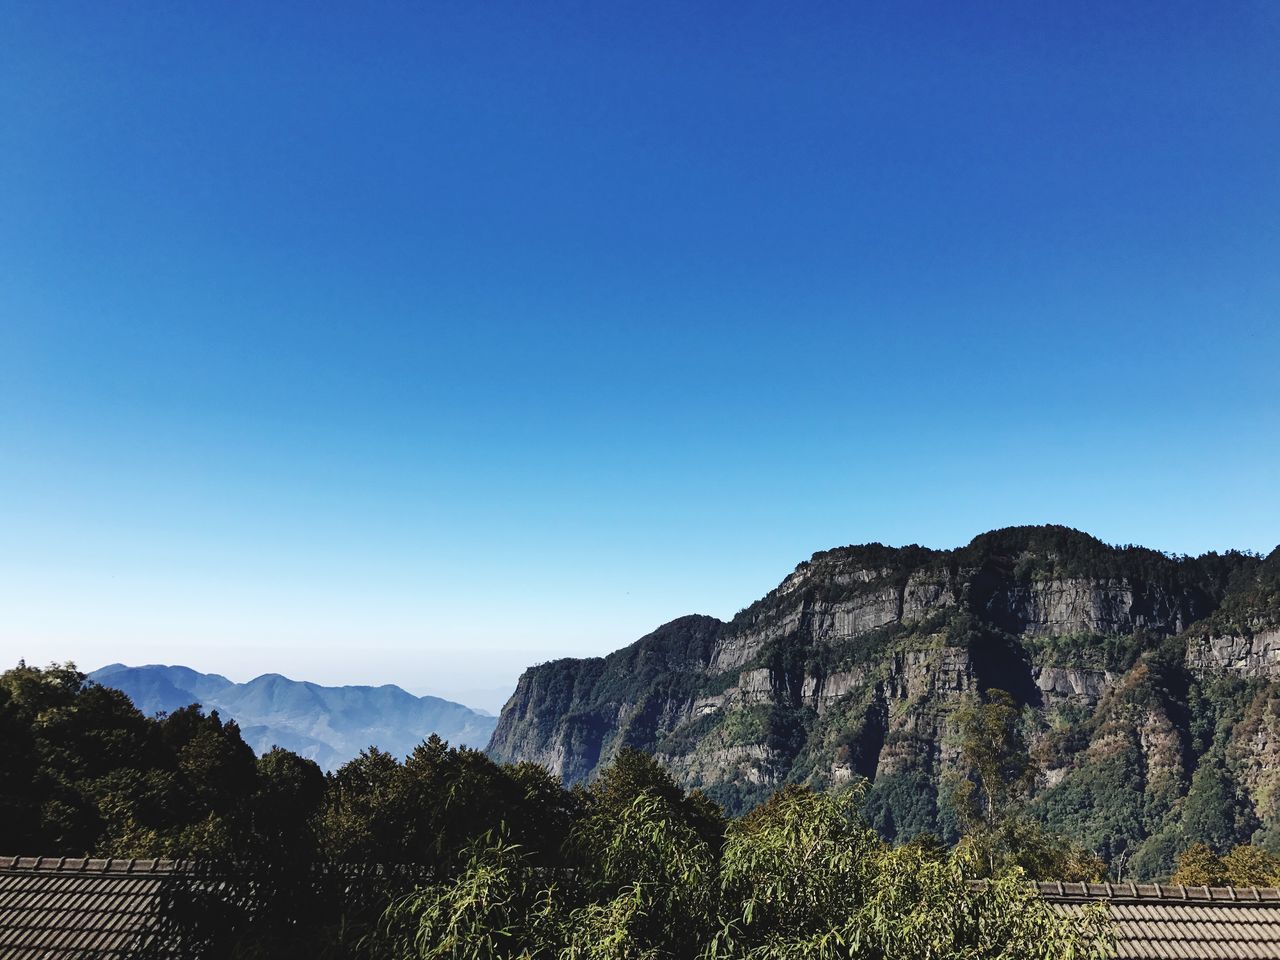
x=1247, y=655
x=1072, y=684
x=855, y=664
x=1061, y=606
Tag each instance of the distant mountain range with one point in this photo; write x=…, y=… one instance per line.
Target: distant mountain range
x=328, y=724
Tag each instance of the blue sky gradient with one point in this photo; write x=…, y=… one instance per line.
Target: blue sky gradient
x=416, y=343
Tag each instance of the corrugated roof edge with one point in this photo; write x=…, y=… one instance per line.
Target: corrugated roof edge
x=1075, y=892
x=1059, y=890
x=93, y=865
x=200, y=868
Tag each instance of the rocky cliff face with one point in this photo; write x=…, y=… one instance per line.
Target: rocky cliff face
x=854, y=664
x=1247, y=654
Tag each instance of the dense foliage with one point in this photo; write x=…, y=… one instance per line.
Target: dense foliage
x=1241, y=866
x=802, y=877
x=502, y=861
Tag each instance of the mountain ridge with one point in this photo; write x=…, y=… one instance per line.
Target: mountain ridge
x=854, y=663
x=327, y=724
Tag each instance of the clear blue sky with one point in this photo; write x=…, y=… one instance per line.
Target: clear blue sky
x=418, y=342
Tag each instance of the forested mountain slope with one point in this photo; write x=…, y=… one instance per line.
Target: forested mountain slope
x=327, y=724
x=1149, y=684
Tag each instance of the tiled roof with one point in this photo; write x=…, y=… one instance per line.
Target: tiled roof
x=61, y=908
x=75, y=909
x=1159, y=921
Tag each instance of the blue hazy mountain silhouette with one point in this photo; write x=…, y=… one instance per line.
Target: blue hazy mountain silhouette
x=328, y=724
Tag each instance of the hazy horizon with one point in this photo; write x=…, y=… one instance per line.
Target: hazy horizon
x=491, y=697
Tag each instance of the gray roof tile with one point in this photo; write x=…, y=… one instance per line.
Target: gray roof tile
x=62, y=908
x=1171, y=922
x=77, y=909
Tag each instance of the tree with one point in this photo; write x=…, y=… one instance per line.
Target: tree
x=633, y=774
x=365, y=811
x=1250, y=866
x=989, y=795
x=1213, y=813
x=646, y=884
x=998, y=771
x=1199, y=866
x=1242, y=866
x=289, y=794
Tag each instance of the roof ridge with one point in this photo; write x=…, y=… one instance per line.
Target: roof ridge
x=95, y=864
x=152, y=865
x=1242, y=894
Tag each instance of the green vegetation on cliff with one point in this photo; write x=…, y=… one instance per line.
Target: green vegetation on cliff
x=1136, y=675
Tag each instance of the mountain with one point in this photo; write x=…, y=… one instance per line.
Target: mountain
x=1150, y=685
x=328, y=724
